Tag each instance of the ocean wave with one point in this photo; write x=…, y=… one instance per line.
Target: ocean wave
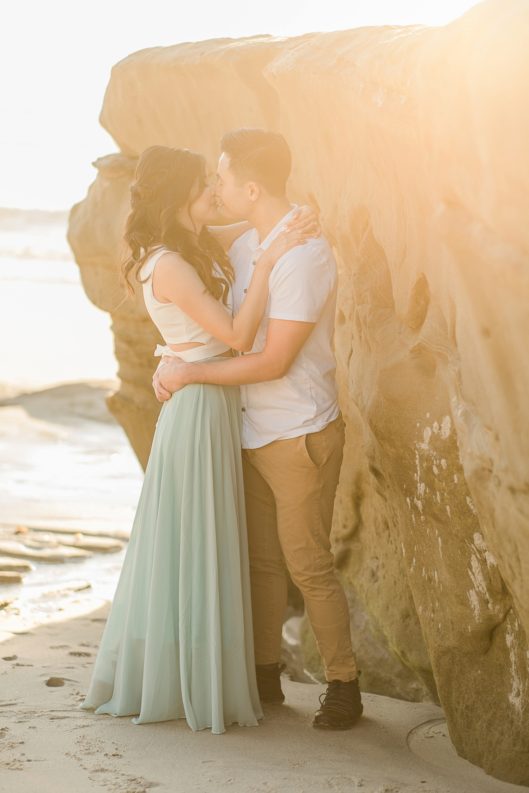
x=34, y=234
x=29, y=252
x=11, y=217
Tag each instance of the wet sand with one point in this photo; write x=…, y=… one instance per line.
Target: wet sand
x=66, y=465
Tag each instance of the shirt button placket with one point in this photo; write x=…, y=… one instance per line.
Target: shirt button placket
x=245, y=291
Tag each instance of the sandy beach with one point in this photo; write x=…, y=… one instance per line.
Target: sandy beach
x=48, y=744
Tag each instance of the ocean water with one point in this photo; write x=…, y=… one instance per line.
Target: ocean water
x=49, y=330
x=64, y=462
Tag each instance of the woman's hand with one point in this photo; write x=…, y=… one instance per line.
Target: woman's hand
x=284, y=242
x=306, y=221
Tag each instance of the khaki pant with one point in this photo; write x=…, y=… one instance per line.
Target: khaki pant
x=289, y=489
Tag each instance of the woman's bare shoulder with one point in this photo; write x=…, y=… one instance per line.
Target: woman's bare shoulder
x=170, y=261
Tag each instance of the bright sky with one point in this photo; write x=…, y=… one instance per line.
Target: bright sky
x=56, y=56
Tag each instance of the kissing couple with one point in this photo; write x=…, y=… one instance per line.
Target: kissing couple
x=242, y=474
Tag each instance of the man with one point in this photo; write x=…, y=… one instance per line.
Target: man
x=292, y=430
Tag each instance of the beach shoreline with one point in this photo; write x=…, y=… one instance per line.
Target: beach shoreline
x=66, y=466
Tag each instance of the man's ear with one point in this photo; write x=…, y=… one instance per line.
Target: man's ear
x=254, y=191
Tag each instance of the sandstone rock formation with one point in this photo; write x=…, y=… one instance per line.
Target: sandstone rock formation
x=413, y=142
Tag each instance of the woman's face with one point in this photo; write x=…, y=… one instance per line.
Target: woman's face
x=202, y=207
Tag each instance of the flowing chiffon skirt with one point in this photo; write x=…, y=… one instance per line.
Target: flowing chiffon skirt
x=178, y=642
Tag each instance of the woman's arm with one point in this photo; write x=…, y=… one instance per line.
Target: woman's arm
x=304, y=220
x=176, y=281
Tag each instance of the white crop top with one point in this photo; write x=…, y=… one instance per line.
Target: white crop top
x=175, y=326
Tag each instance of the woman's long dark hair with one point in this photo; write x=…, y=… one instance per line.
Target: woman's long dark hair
x=164, y=181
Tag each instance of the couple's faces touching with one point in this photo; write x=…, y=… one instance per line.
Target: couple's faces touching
x=235, y=197
x=201, y=207
x=224, y=192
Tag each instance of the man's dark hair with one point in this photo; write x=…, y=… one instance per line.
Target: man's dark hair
x=260, y=156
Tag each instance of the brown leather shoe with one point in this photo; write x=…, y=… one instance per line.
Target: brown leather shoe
x=269, y=683
x=341, y=706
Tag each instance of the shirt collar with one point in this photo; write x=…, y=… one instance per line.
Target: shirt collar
x=270, y=237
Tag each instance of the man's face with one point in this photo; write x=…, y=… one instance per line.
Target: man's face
x=234, y=196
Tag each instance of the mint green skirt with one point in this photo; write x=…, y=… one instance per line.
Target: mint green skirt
x=178, y=642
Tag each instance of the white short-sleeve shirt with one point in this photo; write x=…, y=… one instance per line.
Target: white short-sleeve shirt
x=302, y=288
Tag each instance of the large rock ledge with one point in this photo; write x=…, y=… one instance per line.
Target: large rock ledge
x=413, y=142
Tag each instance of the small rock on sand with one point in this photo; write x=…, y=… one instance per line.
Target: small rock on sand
x=55, y=682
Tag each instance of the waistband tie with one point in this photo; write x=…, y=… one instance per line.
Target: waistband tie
x=209, y=350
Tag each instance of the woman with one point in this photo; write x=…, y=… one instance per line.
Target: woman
x=178, y=641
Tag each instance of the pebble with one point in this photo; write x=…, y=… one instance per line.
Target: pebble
x=55, y=682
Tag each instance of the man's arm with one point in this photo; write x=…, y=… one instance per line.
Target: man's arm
x=284, y=340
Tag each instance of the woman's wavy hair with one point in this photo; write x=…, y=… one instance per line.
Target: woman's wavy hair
x=164, y=182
